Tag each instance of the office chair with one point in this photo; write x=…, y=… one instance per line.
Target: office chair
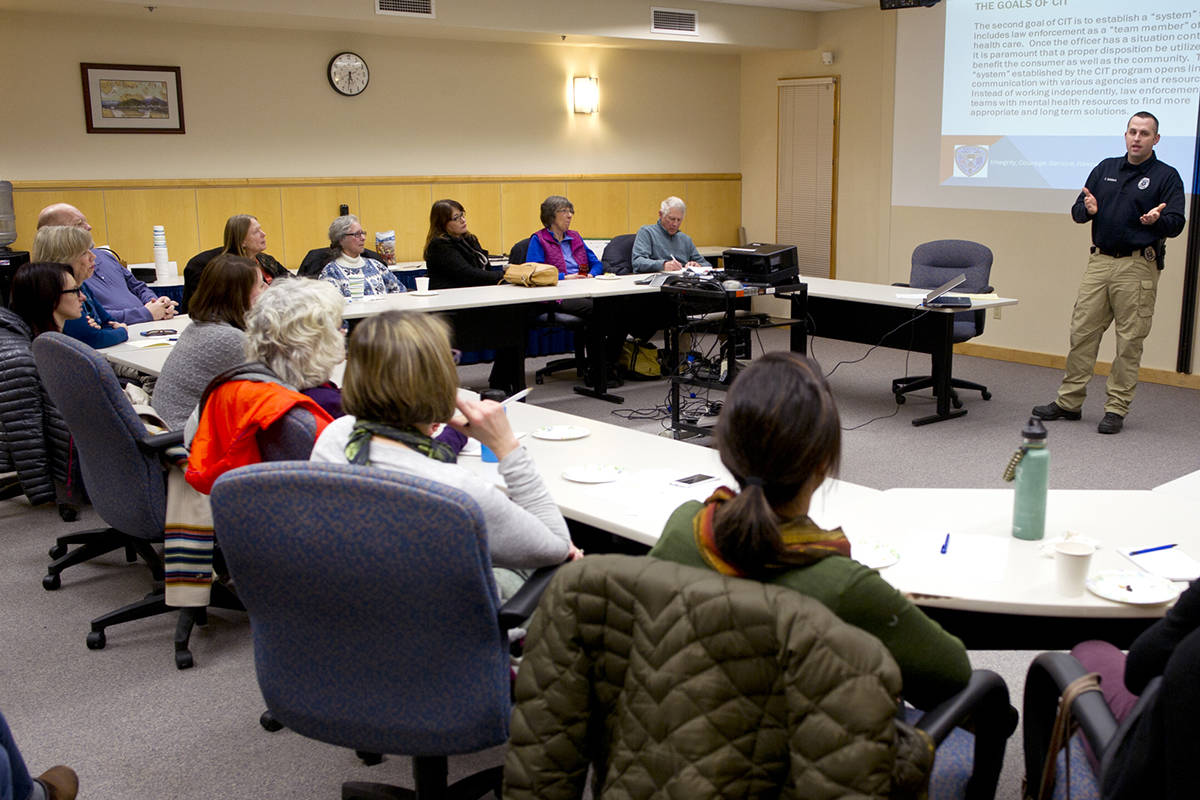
x=121, y=466
x=618, y=254
x=547, y=323
x=934, y=263
x=1161, y=725
x=669, y=680
x=375, y=615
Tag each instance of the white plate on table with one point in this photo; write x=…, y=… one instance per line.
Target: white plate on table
x=560, y=433
x=608, y=276
x=875, y=555
x=415, y=293
x=593, y=473
x=1132, y=586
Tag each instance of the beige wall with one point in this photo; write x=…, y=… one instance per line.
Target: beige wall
x=1039, y=257
x=863, y=43
x=257, y=104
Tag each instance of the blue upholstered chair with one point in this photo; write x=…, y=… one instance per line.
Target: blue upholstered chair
x=374, y=613
x=934, y=263
x=121, y=467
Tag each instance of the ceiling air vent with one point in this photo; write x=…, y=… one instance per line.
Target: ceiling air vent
x=674, y=20
x=406, y=8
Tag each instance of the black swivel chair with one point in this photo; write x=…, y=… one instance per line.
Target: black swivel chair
x=618, y=254
x=550, y=318
x=934, y=263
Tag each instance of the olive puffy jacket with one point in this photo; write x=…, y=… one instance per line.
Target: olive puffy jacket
x=34, y=440
x=672, y=681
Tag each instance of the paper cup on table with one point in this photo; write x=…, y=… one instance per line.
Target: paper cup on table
x=1071, y=562
x=422, y=284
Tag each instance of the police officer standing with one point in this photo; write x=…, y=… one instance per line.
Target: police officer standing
x=1135, y=203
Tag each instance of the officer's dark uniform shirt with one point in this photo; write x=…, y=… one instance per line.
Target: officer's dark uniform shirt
x=1124, y=192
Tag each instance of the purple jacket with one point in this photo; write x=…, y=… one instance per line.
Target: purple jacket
x=544, y=248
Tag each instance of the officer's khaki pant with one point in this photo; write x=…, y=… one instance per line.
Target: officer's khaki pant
x=1113, y=289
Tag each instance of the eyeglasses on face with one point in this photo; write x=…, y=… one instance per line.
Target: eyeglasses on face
x=459, y=217
x=77, y=291
x=363, y=234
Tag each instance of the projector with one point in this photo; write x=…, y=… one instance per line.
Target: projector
x=889, y=5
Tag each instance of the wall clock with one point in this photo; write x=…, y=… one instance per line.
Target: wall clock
x=348, y=74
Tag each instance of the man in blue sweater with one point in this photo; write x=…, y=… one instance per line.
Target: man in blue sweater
x=662, y=246
x=124, y=297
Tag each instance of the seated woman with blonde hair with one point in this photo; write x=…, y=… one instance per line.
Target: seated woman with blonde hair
x=67, y=244
x=780, y=435
x=401, y=383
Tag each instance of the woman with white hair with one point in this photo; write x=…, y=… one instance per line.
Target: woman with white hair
x=294, y=340
x=355, y=275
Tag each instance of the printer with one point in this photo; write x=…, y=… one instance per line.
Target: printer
x=759, y=262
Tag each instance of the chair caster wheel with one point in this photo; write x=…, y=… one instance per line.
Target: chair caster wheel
x=986, y=395
x=369, y=759
x=51, y=582
x=68, y=513
x=538, y=379
x=900, y=399
x=954, y=401
x=96, y=640
x=183, y=659
x=58, y=551
x=269, y=722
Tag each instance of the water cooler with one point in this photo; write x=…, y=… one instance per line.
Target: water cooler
x=9, y=259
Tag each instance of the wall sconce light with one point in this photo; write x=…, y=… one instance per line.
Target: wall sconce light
x=586, y=95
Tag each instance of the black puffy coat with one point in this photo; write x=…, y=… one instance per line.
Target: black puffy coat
x=34, y=440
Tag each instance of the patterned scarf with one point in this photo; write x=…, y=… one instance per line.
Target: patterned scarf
x=358, y=449
x=803, y=542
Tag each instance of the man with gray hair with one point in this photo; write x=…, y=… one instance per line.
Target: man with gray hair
x=124, y=297
x=662, y=246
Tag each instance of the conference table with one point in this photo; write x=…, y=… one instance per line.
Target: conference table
x=989, y=588
x=890, y=316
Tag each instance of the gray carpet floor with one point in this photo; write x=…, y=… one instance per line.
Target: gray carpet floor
x=134, y=726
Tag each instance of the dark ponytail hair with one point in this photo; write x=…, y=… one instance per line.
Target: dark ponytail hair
x=778, y=429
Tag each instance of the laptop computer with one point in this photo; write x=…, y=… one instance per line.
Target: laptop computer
x=934, y=298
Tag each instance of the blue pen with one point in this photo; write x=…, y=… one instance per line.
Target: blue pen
x=1152, y=549
x=945, y=544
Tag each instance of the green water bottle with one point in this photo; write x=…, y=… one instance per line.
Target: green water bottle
x=1030, y=468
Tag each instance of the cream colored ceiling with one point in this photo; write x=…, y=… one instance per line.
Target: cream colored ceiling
x=724, y=26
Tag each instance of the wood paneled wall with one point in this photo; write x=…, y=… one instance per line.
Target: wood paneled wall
x=296, y=213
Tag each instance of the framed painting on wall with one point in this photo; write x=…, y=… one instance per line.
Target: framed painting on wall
x=130, y=98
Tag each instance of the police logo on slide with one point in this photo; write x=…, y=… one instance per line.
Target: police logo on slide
x=1143, y=183
x=970, y=161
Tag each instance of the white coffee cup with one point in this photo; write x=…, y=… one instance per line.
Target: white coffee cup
x=422, y=285
x=1071, y=562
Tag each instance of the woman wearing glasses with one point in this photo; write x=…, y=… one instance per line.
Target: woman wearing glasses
x=355, y=275
x=35, y=441
x=454, y=258
x=66, y=244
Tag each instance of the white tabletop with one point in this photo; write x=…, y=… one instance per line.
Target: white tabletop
x=147, y=353
x=638, y=503
x=986, y=569
x=499, y=295
x=882, y=294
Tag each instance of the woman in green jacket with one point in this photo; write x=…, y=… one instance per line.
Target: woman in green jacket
x=780, y=435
